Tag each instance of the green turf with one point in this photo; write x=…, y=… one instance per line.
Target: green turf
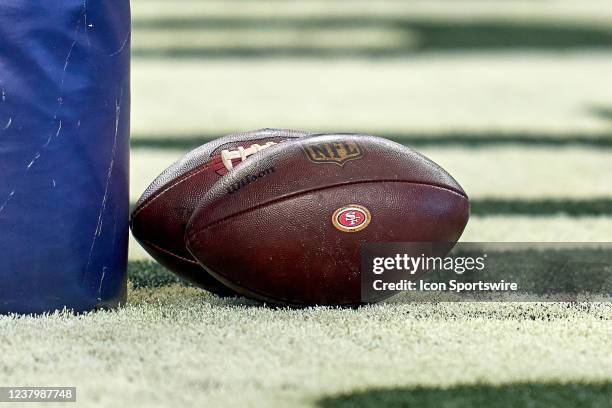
x=178, y=345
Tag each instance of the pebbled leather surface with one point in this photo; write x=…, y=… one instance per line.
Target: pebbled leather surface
x=161, y=214
x=272, y=238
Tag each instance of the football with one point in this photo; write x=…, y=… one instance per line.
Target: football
x=286, y=228
x=158, y=221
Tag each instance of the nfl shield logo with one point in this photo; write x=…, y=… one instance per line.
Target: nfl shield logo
x=338, y=152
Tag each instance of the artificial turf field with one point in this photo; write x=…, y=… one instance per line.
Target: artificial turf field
x=514, y=99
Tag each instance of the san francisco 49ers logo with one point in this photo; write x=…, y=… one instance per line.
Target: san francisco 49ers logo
x=351, y=218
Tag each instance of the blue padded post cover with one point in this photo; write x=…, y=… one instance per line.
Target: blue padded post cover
x=64, y=148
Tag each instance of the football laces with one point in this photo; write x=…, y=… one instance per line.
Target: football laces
x=241, y=153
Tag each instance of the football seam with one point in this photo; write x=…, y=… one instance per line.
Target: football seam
x=160, y=249
x=290, y=196
x=266, y=298
x=186, y=176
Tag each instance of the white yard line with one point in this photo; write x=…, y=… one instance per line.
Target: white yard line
x=586, y=10
x=538, y=229
x=513, y=91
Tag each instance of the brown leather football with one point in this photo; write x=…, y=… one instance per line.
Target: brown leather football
x=287, y=228
x=161, y=214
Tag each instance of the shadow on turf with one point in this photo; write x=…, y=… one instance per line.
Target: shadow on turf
x=602, y=112
x=431, y=35
x=546, y=269
x=468, y=396
x=151, y=275
x=459, y=139
x=542, y=207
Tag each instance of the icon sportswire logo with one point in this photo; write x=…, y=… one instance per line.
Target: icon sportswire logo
x=351, y=218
